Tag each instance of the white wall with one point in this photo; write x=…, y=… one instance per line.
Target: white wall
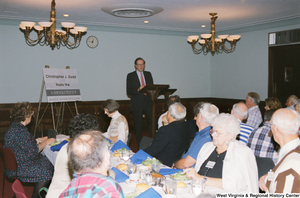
x=245, y=70
x=102, y=71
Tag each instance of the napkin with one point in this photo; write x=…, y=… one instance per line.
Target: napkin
x=169, y=171
x=108, y=140
x=139, y=157
x=118, y=145
x=120, y=176
x=149, y=193
x=58, y=146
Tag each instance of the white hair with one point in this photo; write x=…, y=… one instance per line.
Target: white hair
x=177, y=111
x=227, y=122
x=209, y=112
x=293, y=99
x=287, y=121
x=237, y=111
x=297, y=103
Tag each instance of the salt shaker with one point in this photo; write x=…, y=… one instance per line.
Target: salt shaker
x=148, y=177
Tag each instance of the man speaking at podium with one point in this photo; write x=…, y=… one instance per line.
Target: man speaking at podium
x=140, y=103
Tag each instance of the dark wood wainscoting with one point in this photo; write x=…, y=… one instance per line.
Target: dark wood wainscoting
x=94, y=107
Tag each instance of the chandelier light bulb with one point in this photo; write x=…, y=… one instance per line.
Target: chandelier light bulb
x=38, y=28
x=45, y=24
x=28, y=24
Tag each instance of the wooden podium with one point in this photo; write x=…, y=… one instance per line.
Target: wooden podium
x=154, y=92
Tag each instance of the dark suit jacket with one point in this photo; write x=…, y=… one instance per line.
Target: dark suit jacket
x=170, y=142
x=132, y=85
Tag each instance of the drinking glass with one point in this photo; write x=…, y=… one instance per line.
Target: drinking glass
x=143, y=172
x=171, y=186
x=125, y=155
x=197, y=186
x=131, y=168
x=155, y=166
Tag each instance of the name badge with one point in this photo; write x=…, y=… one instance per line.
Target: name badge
x=270, y=175
x=210, y=164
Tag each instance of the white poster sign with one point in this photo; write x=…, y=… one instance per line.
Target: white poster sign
x=61, y=85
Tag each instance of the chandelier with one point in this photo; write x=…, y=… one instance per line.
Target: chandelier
x=211, y=44
x=47, y=34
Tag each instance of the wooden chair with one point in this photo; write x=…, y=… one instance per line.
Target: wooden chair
x=10, y=163
x=18, y=189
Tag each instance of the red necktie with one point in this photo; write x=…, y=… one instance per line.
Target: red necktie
x=142, y=81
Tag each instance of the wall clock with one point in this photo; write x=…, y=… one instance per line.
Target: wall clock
x=92, y=42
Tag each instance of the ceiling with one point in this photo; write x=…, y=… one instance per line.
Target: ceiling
x=177, y=15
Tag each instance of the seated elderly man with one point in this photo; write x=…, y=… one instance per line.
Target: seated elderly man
x=63, y=173
x=206, y=113
x=90, y=159
x=261, y=142
x=171, y=140
x=291, y=101
x=226, y=163
x=285, y=176
x=254, y=115
x=162, y=120
x=240, y=111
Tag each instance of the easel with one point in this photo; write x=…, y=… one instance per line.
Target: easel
x=61, y=111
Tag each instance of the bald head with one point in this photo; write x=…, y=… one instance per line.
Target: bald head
x=87, y=151
x=286, y=121
x=240, y=111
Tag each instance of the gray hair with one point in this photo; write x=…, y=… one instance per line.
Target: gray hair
x=87, y=150
x=239, y=112
x=297, y=102
x=227, y=122
x=173, y=99
x=254, y=97
x=293, y=99
x=287, y=121
x=177, y=111
x=206, y=195
x=209, y=112
x=197, y=107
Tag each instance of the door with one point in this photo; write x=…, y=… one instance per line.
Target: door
x=284, y=71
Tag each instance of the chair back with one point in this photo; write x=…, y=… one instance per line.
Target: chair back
x=264, y=165
x=145, y=142
x=9, y=159
x=18, y=189
x=129, y=137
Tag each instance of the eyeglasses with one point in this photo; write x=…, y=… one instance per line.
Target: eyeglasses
x=211, y=131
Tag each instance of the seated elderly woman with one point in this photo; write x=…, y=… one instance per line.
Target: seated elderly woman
x=226, y=163
x=272, y=103
x=32, y=166
x=118, y=128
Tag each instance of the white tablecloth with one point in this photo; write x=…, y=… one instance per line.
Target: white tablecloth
x=50, y=154
x=181, y=192
x=128, y=188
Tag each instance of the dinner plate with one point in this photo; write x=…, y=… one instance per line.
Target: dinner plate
x=185, y=181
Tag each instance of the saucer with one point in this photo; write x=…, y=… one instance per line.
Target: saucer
x=127, y=181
